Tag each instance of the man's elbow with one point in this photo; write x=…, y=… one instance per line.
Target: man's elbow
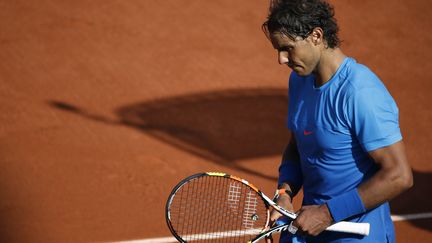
x=409, y=181
x=406, y=180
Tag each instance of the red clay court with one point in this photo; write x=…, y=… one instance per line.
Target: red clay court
x=106, y=105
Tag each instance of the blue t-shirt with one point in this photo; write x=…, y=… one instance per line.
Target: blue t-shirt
x=335, y=126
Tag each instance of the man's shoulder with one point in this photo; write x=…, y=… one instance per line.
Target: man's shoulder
x=359, y=76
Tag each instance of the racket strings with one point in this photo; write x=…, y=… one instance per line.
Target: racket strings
x=217, y=209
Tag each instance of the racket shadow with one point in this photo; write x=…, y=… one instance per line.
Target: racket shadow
x=224, y=127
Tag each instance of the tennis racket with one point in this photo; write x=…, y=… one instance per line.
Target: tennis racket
x=218, y=207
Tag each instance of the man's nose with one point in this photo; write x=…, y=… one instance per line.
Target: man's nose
x=283, y=57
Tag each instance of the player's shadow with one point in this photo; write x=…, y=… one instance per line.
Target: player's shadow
x=229, y=126
x=224, y=127
x=416, y=200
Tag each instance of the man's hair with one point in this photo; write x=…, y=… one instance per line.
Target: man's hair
x=295, y=18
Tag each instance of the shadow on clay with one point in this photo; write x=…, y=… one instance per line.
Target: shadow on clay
x=223, y=127
x=232, y=125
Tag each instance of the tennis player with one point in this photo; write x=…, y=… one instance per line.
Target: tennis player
x=346, y=149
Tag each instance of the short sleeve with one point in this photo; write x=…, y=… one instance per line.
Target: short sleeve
x=373, y=117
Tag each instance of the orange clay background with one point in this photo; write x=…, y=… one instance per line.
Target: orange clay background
x=106, y=105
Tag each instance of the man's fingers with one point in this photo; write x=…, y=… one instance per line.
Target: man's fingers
x=275, y=215
x=311, y=221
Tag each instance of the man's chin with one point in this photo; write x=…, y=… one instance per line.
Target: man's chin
x=301, y=72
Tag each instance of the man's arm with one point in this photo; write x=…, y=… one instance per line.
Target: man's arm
x=291, y=157
x=393, y=177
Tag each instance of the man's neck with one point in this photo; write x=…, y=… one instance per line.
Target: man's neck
x=330, y=61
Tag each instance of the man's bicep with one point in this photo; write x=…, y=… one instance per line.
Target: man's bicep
x=390, y=156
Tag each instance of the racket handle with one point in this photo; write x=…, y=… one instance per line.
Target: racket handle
x=350, y=227
x=345, y=227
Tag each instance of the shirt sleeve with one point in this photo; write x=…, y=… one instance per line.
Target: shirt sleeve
x=374, y=118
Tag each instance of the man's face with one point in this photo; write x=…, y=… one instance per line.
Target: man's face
x=301, y=55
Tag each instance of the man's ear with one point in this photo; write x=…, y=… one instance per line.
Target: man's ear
x=317, y=36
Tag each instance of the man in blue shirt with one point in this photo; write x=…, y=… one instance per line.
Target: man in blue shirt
x=346, y=148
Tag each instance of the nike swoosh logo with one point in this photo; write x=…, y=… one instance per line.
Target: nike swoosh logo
x=307, y=133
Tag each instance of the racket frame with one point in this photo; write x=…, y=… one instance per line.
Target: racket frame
x=346, y=227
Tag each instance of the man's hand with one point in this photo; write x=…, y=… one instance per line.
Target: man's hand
x=285, y=202
x=312, y=220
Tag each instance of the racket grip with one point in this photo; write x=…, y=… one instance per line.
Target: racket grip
x=350, y=227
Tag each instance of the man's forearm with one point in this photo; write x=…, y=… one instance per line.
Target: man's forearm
x=290, y=176
x=393, y=177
